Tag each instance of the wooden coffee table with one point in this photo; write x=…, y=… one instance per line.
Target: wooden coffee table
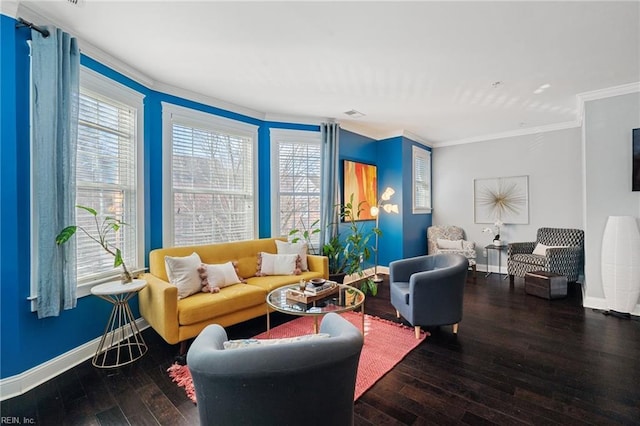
x=277, y=300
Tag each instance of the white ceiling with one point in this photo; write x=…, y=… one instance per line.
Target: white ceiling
x=423, y=68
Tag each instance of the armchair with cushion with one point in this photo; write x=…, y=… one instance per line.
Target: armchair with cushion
x=450, y=239
x=557, y=250
x=298, y=382
x=429, y=290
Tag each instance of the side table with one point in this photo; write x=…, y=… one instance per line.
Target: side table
x=121, y=342
x=498, y=249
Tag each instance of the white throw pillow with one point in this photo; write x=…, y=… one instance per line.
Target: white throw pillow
x=541, y=249
x=183, y=273
x=253, y=343
x=449, y=244
x=278, y=264
x=219, y=275
x=299, y=248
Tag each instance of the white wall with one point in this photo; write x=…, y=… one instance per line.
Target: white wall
x=608, y=125
x=553, y=162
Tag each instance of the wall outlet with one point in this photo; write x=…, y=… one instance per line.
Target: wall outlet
x=361, y=258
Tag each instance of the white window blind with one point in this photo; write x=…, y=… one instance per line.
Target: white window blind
x=106, y=181
x=212, y=189
x=421, y=180
x=296, y=180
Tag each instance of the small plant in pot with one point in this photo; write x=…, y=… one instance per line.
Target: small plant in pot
x=108, y=225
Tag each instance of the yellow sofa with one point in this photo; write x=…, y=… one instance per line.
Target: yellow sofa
x=179, y=320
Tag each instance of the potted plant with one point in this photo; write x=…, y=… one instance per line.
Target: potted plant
x=109, y=224
x=348, y=251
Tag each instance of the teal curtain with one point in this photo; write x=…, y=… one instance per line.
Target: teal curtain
x=330, y=185
x=55, y=64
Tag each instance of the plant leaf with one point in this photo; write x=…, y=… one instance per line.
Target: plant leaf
x=88, y=209
x=65, y=234
x=117, y=261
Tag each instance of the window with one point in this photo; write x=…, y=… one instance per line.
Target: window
x=210, y=172
x=421, y=180
x=295, y=178
x=108, y=158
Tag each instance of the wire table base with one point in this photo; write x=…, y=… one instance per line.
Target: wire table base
x=121, y=342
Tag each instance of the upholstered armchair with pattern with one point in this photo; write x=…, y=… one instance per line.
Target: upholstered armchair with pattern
x=557, y=250
x=450, y=239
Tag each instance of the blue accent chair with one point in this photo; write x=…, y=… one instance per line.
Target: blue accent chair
x=429, y=290
x=309, y=382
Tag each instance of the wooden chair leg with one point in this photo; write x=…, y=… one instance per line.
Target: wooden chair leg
x=417, y=330
x=455, y=328
x=475, y=278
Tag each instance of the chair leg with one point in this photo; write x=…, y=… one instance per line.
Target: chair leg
x=455, y=328
x=397, y=313
x=475, y=278
x=511, y=280
x=417, y=330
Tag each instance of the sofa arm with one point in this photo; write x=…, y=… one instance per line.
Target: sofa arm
x=318, y=263
x=521, y=248
x=158, y=303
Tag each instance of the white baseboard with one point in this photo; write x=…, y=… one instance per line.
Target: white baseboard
x=24, y=382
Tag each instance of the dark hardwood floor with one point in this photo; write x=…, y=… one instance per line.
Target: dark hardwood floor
x=516, y=360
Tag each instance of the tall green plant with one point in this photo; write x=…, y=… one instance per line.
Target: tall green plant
x=348, y=251
x=103, y=229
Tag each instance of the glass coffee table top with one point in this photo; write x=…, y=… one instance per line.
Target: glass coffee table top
x=348, y=298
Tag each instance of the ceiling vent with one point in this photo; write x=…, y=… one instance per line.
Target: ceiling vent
x=354, y=114
x=78, y=3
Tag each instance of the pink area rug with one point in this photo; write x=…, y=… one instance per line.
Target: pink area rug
x=386, y=343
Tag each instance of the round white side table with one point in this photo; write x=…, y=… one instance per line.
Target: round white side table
x=121, y=343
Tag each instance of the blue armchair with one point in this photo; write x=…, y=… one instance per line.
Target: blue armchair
x=281, y=384
x=429, y=290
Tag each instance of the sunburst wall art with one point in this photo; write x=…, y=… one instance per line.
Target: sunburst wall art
x=504, y=198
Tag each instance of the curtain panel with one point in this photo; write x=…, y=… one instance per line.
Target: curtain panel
x=329, y=187
x=55, y=92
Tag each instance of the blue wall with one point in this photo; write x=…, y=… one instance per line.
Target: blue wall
x=415, y=225
x=26, y=341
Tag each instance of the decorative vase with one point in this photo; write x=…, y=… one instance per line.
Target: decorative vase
x=621, y=263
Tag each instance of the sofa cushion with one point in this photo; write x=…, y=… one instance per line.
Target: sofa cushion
x=299, y=248
x=183, y=273
x=532, y=259
x=219, y=275
x=204, y=306
x=275, y=281
x=278, y=264
x=449, y=244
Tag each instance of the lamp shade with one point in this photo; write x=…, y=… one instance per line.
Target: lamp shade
x=621, y=263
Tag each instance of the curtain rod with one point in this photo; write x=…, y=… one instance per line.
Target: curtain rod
x=43, y=31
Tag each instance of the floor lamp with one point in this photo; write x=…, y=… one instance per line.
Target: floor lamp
x=375, y=212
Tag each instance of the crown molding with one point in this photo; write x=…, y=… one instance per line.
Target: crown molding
x=9, y=8
x=417, y=139
x=296, y=119
x=512, y=133
x=88, y=49
x=208, y=101
x=609, y=92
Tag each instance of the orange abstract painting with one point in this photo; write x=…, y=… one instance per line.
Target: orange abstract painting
x=361, y=180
